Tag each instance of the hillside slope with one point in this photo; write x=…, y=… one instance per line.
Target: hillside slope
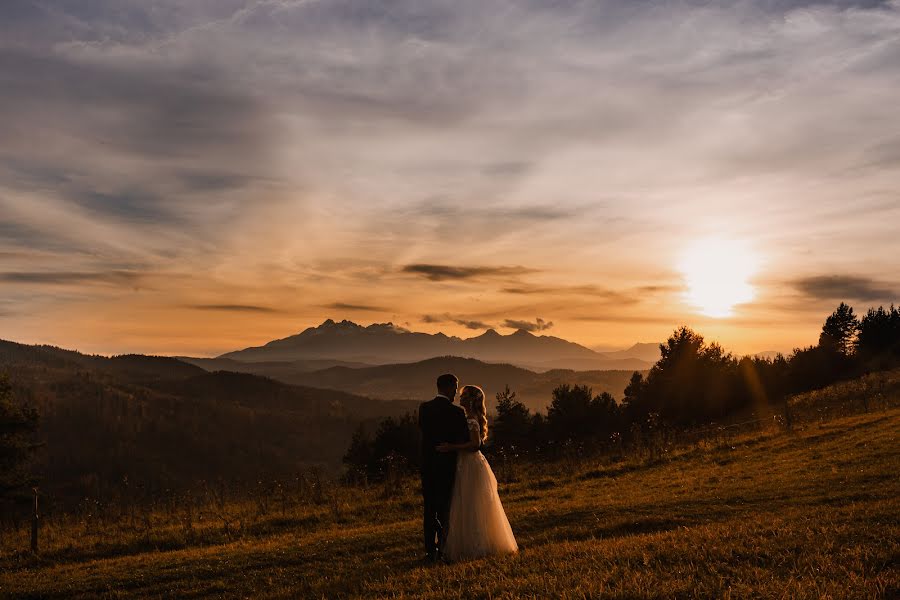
x=813, y=514
x=159, y=422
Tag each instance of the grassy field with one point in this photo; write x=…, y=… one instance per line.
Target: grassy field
x=809, y=514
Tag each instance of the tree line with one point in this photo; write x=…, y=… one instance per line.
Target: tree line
x=693, y=384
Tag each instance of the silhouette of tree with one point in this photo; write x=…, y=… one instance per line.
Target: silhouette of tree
x=575, y=414
x=398, y=439
x=513, y=424
x=17, y=427
x=879, y=334
x=395, y=445
x=360, y=454
x=692, y=382
x=633, y=404
x=839, y=330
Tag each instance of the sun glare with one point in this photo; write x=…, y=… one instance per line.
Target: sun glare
x=717, y=272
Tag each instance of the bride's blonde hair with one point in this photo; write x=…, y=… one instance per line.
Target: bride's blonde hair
x=474, y=398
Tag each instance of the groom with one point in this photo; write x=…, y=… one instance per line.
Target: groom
x=440, y=421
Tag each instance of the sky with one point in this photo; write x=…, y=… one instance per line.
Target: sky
x=196, y=177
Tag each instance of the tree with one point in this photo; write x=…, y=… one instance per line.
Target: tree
x=513, y=424
x=398, y=440
x=693, y=382
x=633, y=405
x=395, y=446
x=879, y=333
x=817, y=366
x=359, y=455
x=17, y=427
x=840, y=329
x=575, y=414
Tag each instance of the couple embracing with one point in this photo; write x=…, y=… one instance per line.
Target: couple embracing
x=464, y=518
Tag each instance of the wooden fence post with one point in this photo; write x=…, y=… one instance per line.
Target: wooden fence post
x=35, y=518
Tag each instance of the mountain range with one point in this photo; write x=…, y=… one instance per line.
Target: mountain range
x=415, y=381
x=386, y=343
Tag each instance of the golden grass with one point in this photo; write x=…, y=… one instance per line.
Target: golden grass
x=812, y=514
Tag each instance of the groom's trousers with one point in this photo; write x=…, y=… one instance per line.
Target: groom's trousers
x=437, y=489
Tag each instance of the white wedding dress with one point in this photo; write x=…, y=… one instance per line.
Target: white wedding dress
x=478, y=524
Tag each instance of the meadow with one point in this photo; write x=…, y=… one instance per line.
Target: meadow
x=809, y=513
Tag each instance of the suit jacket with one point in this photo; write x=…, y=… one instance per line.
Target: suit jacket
x=441, y=421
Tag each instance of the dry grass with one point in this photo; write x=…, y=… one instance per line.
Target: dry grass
x=812, y=514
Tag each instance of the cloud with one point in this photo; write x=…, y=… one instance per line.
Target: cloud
x=538, y=325
x=624, y=298
x=462, y=216
x=617, y=318
x=446, y=318
x=66, y=278
x=846, y=287
x=472, y=324
x=573, y=137
x=447, y=272
x=250, y=308
x=581, y=290
x=356, y=307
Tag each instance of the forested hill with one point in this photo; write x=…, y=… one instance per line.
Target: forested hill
x=408, y=380
x=160, y=422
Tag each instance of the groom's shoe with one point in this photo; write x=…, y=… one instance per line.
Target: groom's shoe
x=430, y=558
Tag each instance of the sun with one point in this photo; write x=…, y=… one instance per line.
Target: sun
x=717, y=272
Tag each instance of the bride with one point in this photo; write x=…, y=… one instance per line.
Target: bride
x=478, y=525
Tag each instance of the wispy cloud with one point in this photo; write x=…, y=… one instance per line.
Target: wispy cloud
x=592, y=291
x=538, y=324
x=354, y=307
x=846, y=287
x=68, y=278
x=445, y=272
x=248, y=308
x=446, y=318
x=584, y=141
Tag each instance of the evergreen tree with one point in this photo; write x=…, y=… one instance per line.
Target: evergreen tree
x=879, y=332
x=359, y=456
x=840, y=329
x=513, y=424
x=575, y=414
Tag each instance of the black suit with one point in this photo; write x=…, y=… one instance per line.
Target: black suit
x=440, y=421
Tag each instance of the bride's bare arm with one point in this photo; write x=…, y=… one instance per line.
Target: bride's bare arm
x=473, y=444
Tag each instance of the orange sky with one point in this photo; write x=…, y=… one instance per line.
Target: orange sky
x=194, y=181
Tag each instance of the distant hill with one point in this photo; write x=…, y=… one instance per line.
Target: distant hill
x=416, y=380
x=273, y=369
x=648, y=352
x=160, y=422
x=591, y=364
x=386, y=343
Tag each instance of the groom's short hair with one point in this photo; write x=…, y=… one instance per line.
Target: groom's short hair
x=447, y=380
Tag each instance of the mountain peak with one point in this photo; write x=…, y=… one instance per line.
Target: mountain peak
x=329, y=324
x=387, y=342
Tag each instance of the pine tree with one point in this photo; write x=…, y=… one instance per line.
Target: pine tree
x=839, y=330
